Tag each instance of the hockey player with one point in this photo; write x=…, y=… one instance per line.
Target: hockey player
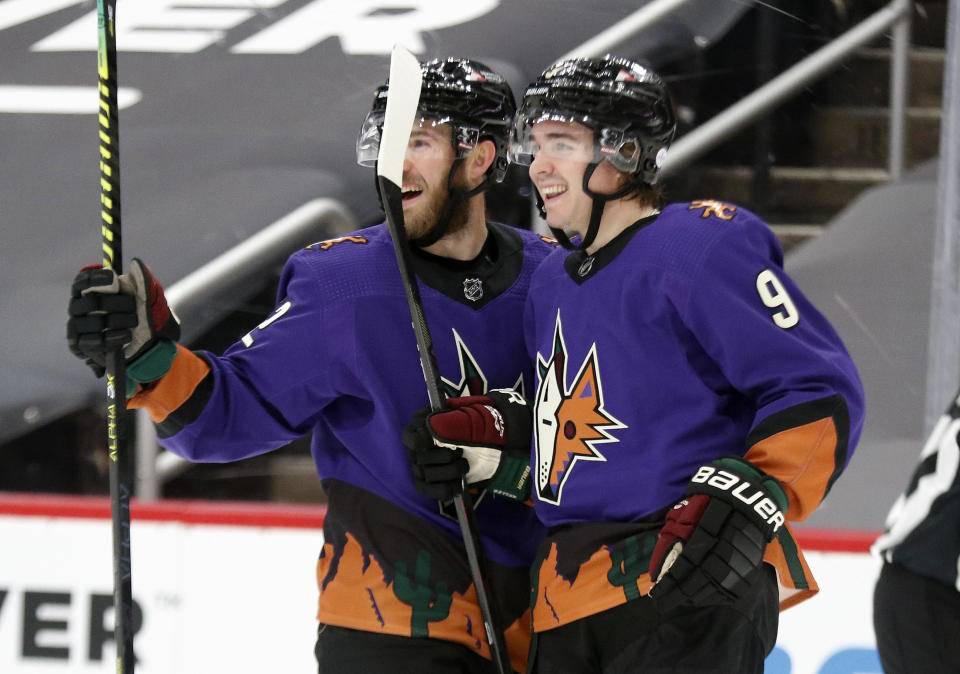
x=338, y=359
x=690, y=400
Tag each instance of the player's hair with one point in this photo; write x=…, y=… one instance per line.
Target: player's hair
x=650, y=195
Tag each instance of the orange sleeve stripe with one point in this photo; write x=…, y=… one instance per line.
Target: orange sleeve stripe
x=174, y=388
x=803, y=460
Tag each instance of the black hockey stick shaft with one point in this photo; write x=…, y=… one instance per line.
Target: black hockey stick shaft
x=118, y=445
x=391, y=195
x=402, y=99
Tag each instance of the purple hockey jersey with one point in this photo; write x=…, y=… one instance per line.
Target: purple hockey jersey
x=679, y=342
x=338, y=359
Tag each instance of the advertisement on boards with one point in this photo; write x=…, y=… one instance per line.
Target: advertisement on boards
x=231, y=588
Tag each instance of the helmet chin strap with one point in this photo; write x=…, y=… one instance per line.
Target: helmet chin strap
x=596, y=211
x=454, y=200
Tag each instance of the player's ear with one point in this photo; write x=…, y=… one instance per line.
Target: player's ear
x=607, y=175
x=479, y=160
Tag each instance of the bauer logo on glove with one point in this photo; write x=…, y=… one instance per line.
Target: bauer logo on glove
x=713, y=541
x=749, y=494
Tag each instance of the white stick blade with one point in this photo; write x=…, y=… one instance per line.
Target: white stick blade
x=402, y=99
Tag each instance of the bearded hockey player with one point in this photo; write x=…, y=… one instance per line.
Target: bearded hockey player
x=691, y=401
x=338, y=359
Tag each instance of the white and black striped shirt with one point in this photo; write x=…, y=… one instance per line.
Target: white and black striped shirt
x=923, y=527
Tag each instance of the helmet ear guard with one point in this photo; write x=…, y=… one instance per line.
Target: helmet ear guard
x=621, y=150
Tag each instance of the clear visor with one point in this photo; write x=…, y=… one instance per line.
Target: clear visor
x=430, y=137
x=571, y=137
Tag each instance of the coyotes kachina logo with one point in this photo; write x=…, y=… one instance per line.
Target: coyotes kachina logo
x=570, y=421
x=472, y=382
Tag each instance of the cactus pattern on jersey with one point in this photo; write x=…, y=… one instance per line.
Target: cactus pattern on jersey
x=428, y=604
x=629, y=562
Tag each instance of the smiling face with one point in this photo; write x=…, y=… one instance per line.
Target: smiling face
x=563, y=151
x=425, y=170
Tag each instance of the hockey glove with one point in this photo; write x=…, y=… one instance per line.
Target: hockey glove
x=716, y=536
x=478, y=438
x=107, y=311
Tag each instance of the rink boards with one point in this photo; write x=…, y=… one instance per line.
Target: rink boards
x=231, y=588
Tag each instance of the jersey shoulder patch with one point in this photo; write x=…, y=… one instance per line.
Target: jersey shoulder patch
x=330, y=243
x=538, y=245
x=345, y=265
x=711, y=208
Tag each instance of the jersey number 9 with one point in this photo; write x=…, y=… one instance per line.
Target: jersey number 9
x=775, y=296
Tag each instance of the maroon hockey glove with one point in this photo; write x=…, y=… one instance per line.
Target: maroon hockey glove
x=477, y=439
x=716, y=537
x=107, y=311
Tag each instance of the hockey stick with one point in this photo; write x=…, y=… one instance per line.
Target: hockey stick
x=403, y=96
x=121, y=459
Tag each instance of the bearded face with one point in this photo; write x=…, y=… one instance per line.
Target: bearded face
x=426, y=170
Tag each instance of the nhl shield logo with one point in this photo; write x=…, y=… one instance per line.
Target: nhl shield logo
x=472, y=289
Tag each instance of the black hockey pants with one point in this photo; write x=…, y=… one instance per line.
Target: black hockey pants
x=634, y=639
x=917, y=623
x=344, y=651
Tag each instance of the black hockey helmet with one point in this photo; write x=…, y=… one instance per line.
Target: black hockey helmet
x=625, y=105
x=474, y=100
